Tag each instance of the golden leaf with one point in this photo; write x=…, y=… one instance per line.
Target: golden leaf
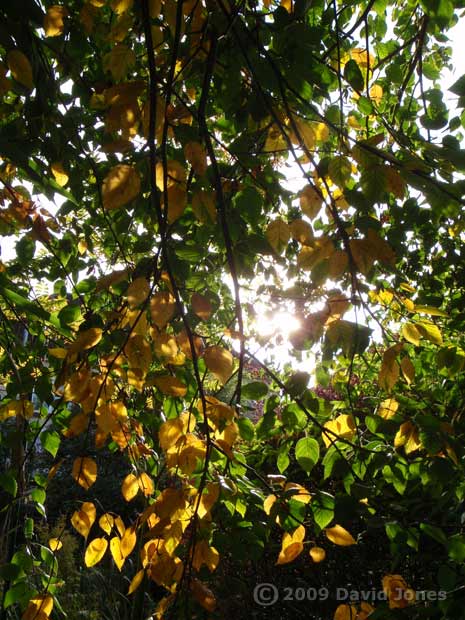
x=302, y=133
x=171, y=430
x=136, y=581
x=408, y=437
x=115, y=550
x=399, y=594
x=345, y=612
x=119, y=61
x=301, y=231
x=394, y=182
x=297, y=492
x=58, y=352
x=203, y=595
x=291, y=546
x=209, y=496
x=166, y=347
x=162, y=308
x=85, y=471
x=311, y=201
x=340, y=536
x=21, y=408
x=86, y=340
x=388, y=408
x=120, y=186
x=170, y=386
x=83, y=519
x=196, y=155
x=139, y=353
x=389, y=371
x=130, y=487
x=175, y=174
x=54, y=21
x=411, y=333
x=318, y=554
x=408, y=369
x=201, y=306
x=39, y=608
x=204, y=554
x=268, y=503
x=376, y=93
x=121, y=6
x=321, y=248
x=219, y=361
x=278, y=234
x=145, y=484
x=61, y=176
x=177, y=201
x=137, y=292
x=20, y=67
x=342, y=426
x=128, y=542
x=184, y=344
x=106, y=522
x=55, y=544
x=95, y=551
x=430, y=331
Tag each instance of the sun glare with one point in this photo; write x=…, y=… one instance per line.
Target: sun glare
x=276, y=324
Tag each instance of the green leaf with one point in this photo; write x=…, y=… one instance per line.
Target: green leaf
x=456, y=547
x=50, y=441
x=255, y=390
x=307, y=453
x=8, y=483
x=322, y=506
x=353, y=75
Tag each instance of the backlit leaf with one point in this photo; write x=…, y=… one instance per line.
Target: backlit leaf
x=120, y=186
x=20, y=68
x=85, y=471
x=318, y=554
x=54, y=20
x=278, y=235
x=339, y=536
x=219, y=361
x=95, y=551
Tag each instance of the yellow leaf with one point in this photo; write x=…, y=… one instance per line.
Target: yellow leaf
x=106, y=522
x=130, y=487
x=20, y=67
x=86, y=340
x=430, y=331
x=85, y=471
x=302, y=133
x=431, y=310
x=171, y=430
x=345, y=612
x=340, y=536
x=297, y=492
x=408, y=369
x=408, y=437
x=311, y=201
x=177, y=201
x=119, y=61
x=376, y=93
x=394, y=182
x=20, y=408
x=219, y=361
x=128, y=541
x=209, y=496
x=278, y=234
x=83, y=519
x=136, y=581
x=268, y=503
x=291, y=546
x=53, y=21
x=389, y=371
x=343, y=426
x=145, y=483
x=321, y=249
x=301, y=231
x=39, y=608
x=120, y=186
x=95, y=551
x=399, y=594
x=170, y=386
x=204, y=554
x=58, y=352
x=162, y=308
x=121, y=6
x=176, y=174
x=55, y=544
x=318, y=554
x=61, y=176
x=115, y=550
x=204, y=206
x=196, y=155
x=411, y=333
x=201, y=306
x=137, y=292
x=388, y=408
x=139, y=353
x=203, y=595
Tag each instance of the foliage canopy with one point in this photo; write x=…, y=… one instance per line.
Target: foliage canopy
x=164, y=131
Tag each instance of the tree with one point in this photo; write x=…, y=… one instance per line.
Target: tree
x=163, y=131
